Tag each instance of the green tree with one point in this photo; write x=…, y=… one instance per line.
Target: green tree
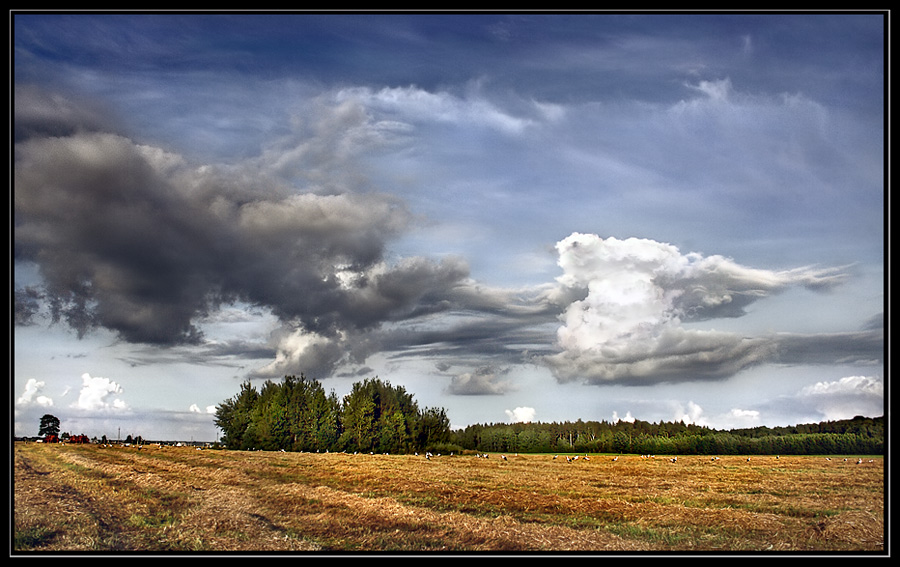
x=393, y=433
x=49, y=425
x=359, y=418
x=327, y=412
x=433, y=428
x=270, y=417
x=379, y=417
x=233, y=417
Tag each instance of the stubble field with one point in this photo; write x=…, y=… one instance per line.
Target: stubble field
x=71, y=498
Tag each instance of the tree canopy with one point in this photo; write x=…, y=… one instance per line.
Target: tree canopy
x=49, y=425
x=297, y=415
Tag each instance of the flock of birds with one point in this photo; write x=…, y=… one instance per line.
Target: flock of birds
x=574, y=458
x=569, y=459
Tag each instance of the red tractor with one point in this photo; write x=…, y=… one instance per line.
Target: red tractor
x=51, y=439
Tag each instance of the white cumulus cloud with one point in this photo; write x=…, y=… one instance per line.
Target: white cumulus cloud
x=846, y=397
x=635, y=296
x=693, y=414
x=521, y=415
x=99, y=394
x=32, y=395
x=628, y=417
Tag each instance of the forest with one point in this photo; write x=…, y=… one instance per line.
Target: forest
x=860, y=435
x=375, y=417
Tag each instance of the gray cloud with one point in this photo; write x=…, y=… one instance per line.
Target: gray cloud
x=26, y=305
x=864, y=347
x=40, y=113
x=467, y=323
x=485, y=380
x=131, y=238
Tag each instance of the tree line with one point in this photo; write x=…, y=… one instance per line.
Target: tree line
x=298, y=415
x=860, y=435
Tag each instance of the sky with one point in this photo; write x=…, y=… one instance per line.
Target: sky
x=516, y=217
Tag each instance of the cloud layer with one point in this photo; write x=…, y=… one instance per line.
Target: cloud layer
x=137, y=240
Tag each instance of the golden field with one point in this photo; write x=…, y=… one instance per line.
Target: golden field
x=91, y=498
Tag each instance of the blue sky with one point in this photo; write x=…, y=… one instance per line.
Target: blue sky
x=542, y=217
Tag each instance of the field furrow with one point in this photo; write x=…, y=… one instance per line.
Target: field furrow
x=111, y=499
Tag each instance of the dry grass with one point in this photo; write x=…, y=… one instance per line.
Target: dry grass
x=103, y=499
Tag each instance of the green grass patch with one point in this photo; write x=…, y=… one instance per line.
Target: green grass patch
x=33, y=537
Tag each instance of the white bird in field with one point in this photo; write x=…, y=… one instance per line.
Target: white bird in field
x=615, y=459
x=674, y=459
x=859, y=462
x=503, y=457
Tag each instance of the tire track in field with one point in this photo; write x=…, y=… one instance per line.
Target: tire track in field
x=57, y=504
x=220, y=511
x=231, y=509
x=461, y=531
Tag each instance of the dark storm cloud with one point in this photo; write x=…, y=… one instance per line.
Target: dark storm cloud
x=26, y=304
x=131, y=238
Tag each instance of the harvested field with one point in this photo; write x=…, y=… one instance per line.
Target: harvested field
x=165, y=499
